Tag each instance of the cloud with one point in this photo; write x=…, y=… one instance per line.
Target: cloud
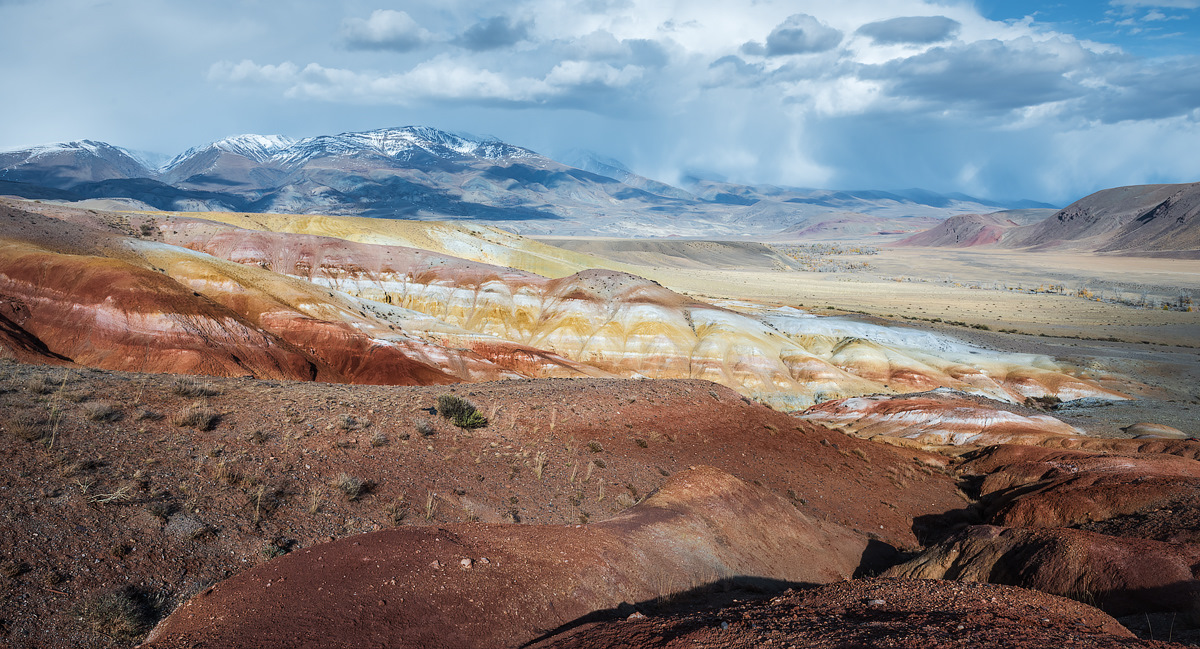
x=601, y=45
x=799, y=34
x=1174, y=4
x=249, y=72
x=990, y=75
x=911, y=29
x=493, y=33
x=386, y=29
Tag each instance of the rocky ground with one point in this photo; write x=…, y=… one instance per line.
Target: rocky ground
x=123, y=493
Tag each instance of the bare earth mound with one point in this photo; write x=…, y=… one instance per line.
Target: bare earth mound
x=490, y=586
x=873, y=613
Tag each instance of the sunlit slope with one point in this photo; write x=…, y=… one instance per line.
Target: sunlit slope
x=465, y=241
x=629, y=326
x=75, y=289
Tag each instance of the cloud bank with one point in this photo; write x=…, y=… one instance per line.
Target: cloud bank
x=863, y=93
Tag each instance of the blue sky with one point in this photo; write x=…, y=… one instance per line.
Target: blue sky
x=1001, y=99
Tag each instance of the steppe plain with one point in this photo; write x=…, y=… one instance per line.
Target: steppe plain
x=669, y=500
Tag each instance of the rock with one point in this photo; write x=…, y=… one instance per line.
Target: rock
x=1145, y=430
x=1119, y=575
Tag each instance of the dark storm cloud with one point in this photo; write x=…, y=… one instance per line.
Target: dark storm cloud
x=801, y=34
x=493, y=33
x=985, y=75
x=911, y=29
x=1135, y=91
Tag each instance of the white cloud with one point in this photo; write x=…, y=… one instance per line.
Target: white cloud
x=386, y=29
x=1174, y=4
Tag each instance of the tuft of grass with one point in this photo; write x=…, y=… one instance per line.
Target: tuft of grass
x=277, y=547
x=39, y=385
x=125, y=614
x=425, y=428
x=192, y=388
x=460, y=412
x=29, y=427
x=398, y=509
x=595, y=447
x=148, y=415
x=197, y=416
x=347, y=422
x=539, y=464
x=379, y=439
x=641, y=442
x=101, y=411
x=258, y=437
x=352, y=487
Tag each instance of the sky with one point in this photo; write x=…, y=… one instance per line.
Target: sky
x=999, y=99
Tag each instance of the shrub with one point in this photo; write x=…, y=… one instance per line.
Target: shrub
x=197, y=416
x=352, y=487
x=460, y=412
x=125, y=614
x=379, y=439
x=102, y=412
x=191, y=388
x=425, y=428
x=29, y=427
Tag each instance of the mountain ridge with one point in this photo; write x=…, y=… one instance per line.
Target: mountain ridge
x=424, y=173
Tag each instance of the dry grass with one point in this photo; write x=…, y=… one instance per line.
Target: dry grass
x=30, y=427
x=102, y=411
x=539, y=464
x=125, y=614
x=352, y=487
x=197, y=416
x=193, y=388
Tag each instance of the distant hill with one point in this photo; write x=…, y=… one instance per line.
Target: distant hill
x=1161, y=220
x=417, y=172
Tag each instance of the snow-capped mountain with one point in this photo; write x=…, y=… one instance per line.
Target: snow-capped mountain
x=407, y=144
x=423, y=172
x=259, y=148
x=64, y=164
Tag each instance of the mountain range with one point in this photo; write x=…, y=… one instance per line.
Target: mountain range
x=423, y=173
x=1147, y=220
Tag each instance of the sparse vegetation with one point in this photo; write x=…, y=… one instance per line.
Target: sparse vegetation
x=425, y=428
x=101, y=411
x=197, y=416
x=30, y=427
x=192, y=388
x=595, y=447
x=125, y=614
x=379, y=439
x=352, y=487
x=460, y=412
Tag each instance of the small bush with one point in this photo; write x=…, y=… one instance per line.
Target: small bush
x=39, y=385
x=191, y=388
x=595, y=447
x=425, y=428
x=100, y=411
x=460, y=412
x=352, y=487
x=29, y=427
x=125, y=614
x=198, y=417
x=347, y=422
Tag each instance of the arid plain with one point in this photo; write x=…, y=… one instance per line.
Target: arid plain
x=823, y=412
